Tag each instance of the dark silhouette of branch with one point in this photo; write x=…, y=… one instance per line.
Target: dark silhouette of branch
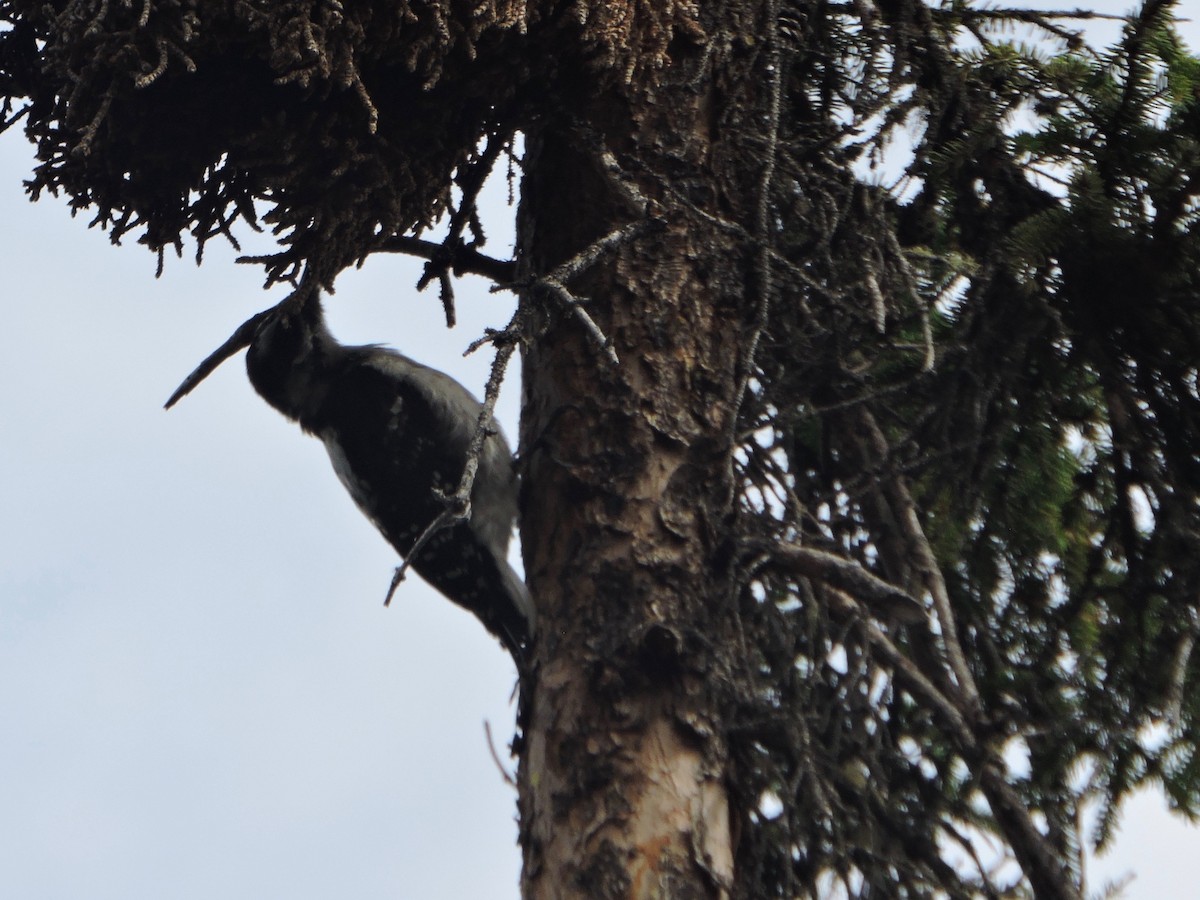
x=462, y=259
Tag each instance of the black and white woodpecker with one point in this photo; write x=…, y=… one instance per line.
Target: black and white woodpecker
x=395, y=430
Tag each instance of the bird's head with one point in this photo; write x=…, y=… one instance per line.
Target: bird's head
x=289, y=356
x=288, y=353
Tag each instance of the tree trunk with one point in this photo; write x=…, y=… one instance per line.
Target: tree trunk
x=628, y=495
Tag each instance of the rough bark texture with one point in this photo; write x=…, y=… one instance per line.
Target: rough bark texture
x=628, y=488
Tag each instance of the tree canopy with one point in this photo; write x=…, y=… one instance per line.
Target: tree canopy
x=964, y=545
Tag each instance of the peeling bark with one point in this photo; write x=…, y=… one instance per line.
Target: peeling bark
x=627, y=497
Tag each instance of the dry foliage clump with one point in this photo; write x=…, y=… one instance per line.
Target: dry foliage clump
x=337, y=118
x=342, y=124
x=634, y=37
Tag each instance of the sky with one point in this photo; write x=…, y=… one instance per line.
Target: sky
x=201, y=693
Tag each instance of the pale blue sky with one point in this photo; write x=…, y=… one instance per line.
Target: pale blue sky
x=201, y=693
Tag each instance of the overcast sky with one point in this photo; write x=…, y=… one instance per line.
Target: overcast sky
x=201, y=694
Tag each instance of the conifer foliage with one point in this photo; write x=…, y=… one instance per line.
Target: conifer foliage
x=964, y=541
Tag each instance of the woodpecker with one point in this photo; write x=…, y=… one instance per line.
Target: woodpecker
x=395, y=430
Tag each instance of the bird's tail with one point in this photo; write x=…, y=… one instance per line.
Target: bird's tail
x=518, y=620
x=467, y=572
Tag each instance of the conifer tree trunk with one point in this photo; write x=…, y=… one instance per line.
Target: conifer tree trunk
x=623, y=783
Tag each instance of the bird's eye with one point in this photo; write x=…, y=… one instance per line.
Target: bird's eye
x=268, y=332
x=277, y=336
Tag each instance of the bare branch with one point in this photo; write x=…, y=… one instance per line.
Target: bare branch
x=555, y=281
x=764, y=273
x=589, y=255
x=623, y=183
x=463, y=259
x=904, y=508
x=453, y=513
x=458, y=504
x=504, y=773
x=1179, y=671
x=884, y=599
x=573, y=303
x=906, y=670
x=1047, y=873
x=470, y=182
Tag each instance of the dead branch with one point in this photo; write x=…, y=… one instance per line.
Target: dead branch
x=884, y=599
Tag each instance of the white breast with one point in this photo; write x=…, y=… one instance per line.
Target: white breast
x=358, y=490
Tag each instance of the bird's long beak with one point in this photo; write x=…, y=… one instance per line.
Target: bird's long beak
x=239, y=340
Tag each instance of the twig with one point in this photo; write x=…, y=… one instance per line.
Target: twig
x=15, y=117
x=762, y=213
x=573, y=303
x=1029, y=16
x=458, y=504
x=147, y=79
x=470, y=182
x=446, y=295
x=494, y=336
x=906, y=671
x=84, y=147
x=453, y=513
x=848, y=575
x=463, y=259
x=1179, y=671
x=999, y=13
x=589, y=255
x=625, y=186
x=554, y=282
x=364, y=98
x=904, y=509
x=504, y=773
